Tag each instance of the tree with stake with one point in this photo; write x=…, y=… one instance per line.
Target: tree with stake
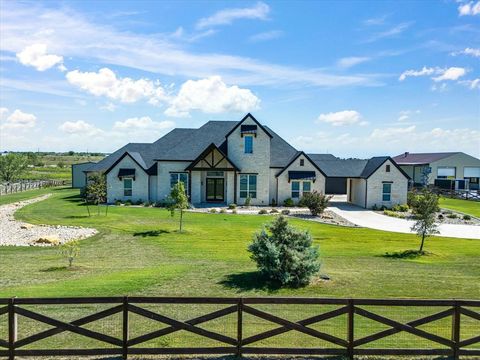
x=424, y=208
x=96, y=190
x=70, y=251
x=178, y=201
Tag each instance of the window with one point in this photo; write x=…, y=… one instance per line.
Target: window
x=305, y=186
x=248, y=144
x=302, y=162
x=176, y=177
x=295, y=189
x=387, y=168
x=386, y=191
x=127, y=187
x=248, y=186
x=446, y=173
x=214, y=173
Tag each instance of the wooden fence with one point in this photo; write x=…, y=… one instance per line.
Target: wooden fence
x=11, y=188
x=244, y=338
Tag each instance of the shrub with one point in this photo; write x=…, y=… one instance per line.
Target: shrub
x=234, y=211
x=232, y=206
x=285, y=212
x=128, y=202
x=146, y=204
x=440, y=217
x=248, y=201
x=383, y=208
x=467, y=217
x=213, y=211
x=400, y=208
x=412, y=197
x=274, y=211
x=452, y=216
x=223, y=211
x=288, y=202
x=285, y=254
x=263, y=212
x=118, y=202
x=315, y=201
x=61, y=164
x=274, y=202
x=374, y=207
x=139, y=202
x=393, y=214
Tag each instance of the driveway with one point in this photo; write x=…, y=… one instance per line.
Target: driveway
x=373, y=220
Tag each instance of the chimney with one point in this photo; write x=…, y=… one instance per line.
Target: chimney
x=406, y=154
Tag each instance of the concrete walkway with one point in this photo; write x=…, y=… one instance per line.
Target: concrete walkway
x=373, y=220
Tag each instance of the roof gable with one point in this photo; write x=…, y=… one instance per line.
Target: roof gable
x=300, y=153
x=254, y=120
x=134, y=158
x=421, y=158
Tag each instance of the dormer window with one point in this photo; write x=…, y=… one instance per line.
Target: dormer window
x=302, y=162
x=248, y=144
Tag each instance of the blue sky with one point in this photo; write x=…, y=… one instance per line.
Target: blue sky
x=355, y=79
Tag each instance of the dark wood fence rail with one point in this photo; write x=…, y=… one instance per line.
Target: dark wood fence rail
x=458, y=311
x=11, y=188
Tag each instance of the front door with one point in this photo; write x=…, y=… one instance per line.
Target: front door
x=215, y=191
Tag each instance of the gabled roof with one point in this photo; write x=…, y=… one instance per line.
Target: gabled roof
x=211, y=147
x=245, y=118
x=134, y=157
x=295, y=157
x=351, y=168
x=421, y=158
x=281, y=152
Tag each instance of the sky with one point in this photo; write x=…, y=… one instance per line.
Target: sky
x=355, y=79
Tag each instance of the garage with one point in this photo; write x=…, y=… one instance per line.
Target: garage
x=472, y=174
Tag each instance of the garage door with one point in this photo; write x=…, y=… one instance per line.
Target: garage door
x=471, y=172
x=336, y=185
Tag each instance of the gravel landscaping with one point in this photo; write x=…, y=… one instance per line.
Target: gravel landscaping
x=443, y=217
x=18, y=233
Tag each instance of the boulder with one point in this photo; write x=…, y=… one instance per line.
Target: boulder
x=26, y=226
x=48, y=240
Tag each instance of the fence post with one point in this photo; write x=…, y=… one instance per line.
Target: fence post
x=350, y=328
x=12, y=328
x=239, y=326
x=125, y=328
x=456, y=330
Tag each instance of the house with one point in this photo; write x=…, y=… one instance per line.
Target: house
x=228, y=161
x=461, y=168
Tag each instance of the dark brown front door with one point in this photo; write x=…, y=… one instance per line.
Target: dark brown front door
x=215, y=190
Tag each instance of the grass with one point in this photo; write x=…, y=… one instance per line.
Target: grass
x=469, y=207
x=139, y=251
x=24, y=195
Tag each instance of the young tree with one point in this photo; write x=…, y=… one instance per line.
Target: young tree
x=178, y=201
x=12, y=166
x=315, y=201
x=70, y=251
x=424, y=207
x=96, y=190
x=285, y=254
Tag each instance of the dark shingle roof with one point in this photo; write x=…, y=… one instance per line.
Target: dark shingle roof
x=336, y=167
x=421, y=158
x=187, y=144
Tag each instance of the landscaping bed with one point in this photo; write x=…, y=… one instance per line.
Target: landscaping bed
x=443, y=216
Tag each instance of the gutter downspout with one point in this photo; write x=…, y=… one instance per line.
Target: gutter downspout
x=366, y=192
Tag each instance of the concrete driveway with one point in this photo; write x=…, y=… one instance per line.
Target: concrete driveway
x=373, y=220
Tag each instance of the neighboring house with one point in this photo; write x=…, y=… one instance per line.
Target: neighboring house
x=79, y=178
x=458, y=166
x=226, y=162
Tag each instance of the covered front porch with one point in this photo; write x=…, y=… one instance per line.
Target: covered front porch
x=213, y=178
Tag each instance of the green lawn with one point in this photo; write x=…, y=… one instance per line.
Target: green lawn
x=139, y=252
x=465, y=206
x=24, y=195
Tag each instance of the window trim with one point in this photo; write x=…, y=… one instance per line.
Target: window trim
x=389, y=193
x=245, y=144
x=387, y=168
x=248, y=191
x=302, y=162
x=126, y=189
x=301, y=191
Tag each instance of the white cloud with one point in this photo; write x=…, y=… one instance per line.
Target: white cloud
x=105, y=83
x=442, y=87
x=109, y=107
x=340, y=118
x=424, y=72
x=391, y=133
x=36, y=56
x=472, y=84
x=470, y=8
x=468, y=51
x=453, y=73
x=394, y=31
x=74, y=35
x=143, y=123
x=211, y=95
x=404, y=115
x=265, y=36
x=348, y=62
x=17, y=120
x=80, y=127
x=227, y=16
